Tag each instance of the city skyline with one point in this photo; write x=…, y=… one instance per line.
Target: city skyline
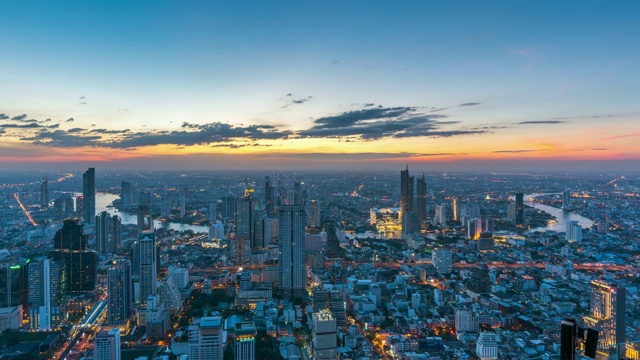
x=491, y=86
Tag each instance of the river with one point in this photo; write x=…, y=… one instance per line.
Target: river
x=562, y=216
x=104, y=199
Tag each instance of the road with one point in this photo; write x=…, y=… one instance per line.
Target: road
x=93, y=318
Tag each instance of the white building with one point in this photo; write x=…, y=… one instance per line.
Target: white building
x=574, y=232
x=106, y=345
x=442, y=261
x=487, y=346
x=180, y=276
x=245, y=335
x=325, y=341
x=206, y=339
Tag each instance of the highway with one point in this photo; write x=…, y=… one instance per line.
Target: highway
x=93, y=318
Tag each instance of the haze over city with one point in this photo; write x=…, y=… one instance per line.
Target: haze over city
x=341, y=85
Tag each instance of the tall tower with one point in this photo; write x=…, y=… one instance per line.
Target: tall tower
x=116, y=234
x=314, y=214
x=103, y=221
x=421, y=189
x=89, y=195
x=44, y=193
x=566, y=198
x=125, y=193
x=120, y=291
x=106, y=345
x=406, y=199
x=148, y=269
x=291, y=235
x=519, y=209
x=70, y=245
x=145, y=221
x=246, y=217
x=269, y=198
x=245, y=346
x=324, y=328
x=13, y=285
x=607, y=313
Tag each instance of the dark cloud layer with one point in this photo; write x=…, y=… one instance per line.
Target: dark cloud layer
x=541, y=122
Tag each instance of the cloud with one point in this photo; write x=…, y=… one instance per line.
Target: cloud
x=513, y=151
x=82, y=103
x=54, y=126
x=541, y=122
x=30, y=125
x=19, y=117
x=3, y=117
x=61, y=138
x=369, y=104
x=600, y=149
x=69, y=120
x=470, y=104
x=75, y=130
x=3, y=131
x=354, y=156
x=105, y=131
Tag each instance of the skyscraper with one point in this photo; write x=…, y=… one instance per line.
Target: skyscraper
x=269, y=198
x=89, y=195
x=574, y=231
x=148, y=269
x=13, y=285
x=120, y=291
x=246, y=216
x=442, y=261
x=206, y=339
x=406, y=199
x=291, y=275
x=44, y=193
x=106, y=345
x=314, y=214
x=480, y=282
x=519, y=209
x=421, y=190
x=324, y=337
x=607, y=313
x=566, y=198
x=245, y=344
x=103, y=221
x=125, y=193
x=145, y=221
x=487, y=346
x=115, y=232
x=70, y=245
x=46, y=284
x=213, y=212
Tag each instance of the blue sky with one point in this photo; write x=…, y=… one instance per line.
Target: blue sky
x=156, y=64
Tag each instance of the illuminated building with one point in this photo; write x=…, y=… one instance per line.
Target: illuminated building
x=421, y=200
x=440, y=217
x=89, y=195
x=519, y=209
x=158, y=318
x=332, y=299
x=106, y=345
x=406, y=200
x=246, y=216
x=46, y=285
x=314, y=213
x=574, y=231
x=102, y=232
x=245, y=340
x=120, y=291
x=454, y=208
x=70, y=245
x=385, y=219
x=292, y=274
x=13, y=285
x=269, y=198
x=324, y=337
x=487, y=346
x=566, y=198
x=607, y=313
x=474, y=228
x=148, y=268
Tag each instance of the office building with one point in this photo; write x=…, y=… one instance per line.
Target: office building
x=324, y=336
x=183, y=202
x=145, y=221
x=70, y=245
x=44, y=194
x=89, y=195
x=421, y=201
x=245, y=340
x=607, y=313
x=566, y=199
x=46, y=292
x=180, y=276
x=120, y=292
x=269, y=198
x=148, y=267
x=103, y=224
x=442, y=261
x=115, y=235
x=206, y=338
x=213, y=212
x=487, y=346
x=246, y=216
x=440, y=217
x=125, y=193
x=519, y=209
x=313, y=212
x=229, y=207
x=332, y=299
x=480, y=282
x=292, y=274
x=406, y=200
x=158, y=320
x=574, y=231
x=474, y=228
x=106, y=345
x=266, y=229
x=13, y=285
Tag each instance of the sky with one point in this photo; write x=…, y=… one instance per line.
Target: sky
x=186, y=85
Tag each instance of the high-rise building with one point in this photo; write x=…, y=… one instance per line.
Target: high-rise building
x=229, y=207
x=70, y=245
x=474, y=228
x=183, y=202
x=324, y=336
x=607, y=313
x=487, y=346
x=158, y=318
x=103, y=221
x=148, y=268
x=213, y=212
x=46, y=283
x=106, y=345
x=44, y=193
x=89, y=195
x=574, y=231
x=269, y=198
x=120, y=292
x=246, y=216
x=125, y=193
x=441, y=215
x=480, y=282
x=406, y=199
x=454, y=208
x=314, y=214
x=145, y=221
x=332, y=299
x=180, y=276
x=421, y=191
x=115, y=234
x=245, y=340
x=519, y=209
x=292, y=274
x=206, y=338
x=442, y=261
x=566, y=198
x=13, y=285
